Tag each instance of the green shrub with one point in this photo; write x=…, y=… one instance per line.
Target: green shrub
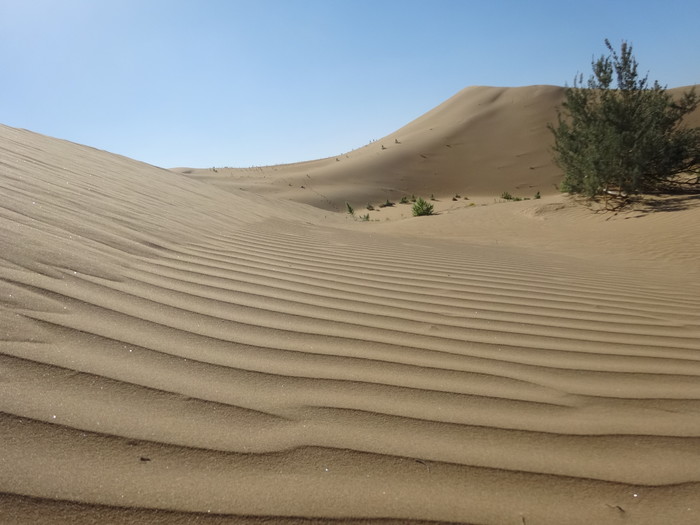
x=624, y=139
x=422, y=207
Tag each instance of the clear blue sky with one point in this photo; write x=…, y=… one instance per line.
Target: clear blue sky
x=237, y=83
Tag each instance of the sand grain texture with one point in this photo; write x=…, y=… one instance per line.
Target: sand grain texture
x=174, y=353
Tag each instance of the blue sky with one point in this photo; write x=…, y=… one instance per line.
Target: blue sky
x=238, y=83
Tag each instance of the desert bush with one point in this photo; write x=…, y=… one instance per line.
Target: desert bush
x=627, y=138
x=422, y=207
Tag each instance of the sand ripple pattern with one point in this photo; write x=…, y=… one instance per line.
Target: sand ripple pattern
x=170, y=352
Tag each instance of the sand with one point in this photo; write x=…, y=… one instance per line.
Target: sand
x=200, y=346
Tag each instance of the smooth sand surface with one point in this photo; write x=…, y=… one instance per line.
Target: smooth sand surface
x=199, y=346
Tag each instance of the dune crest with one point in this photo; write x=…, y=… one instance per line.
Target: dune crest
x=173, y=352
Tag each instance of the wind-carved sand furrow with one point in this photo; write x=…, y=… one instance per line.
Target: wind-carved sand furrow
x=479, y=401
x=304, y=342
x=448, y=327
x=107, y=323
x=401, y=266
x=239, y=375
x=429, y=296
x=478, y=260
x=493, y=285
x=86, y=402
x=242, y=320
x=446, y=258
x=86, y=406
x=308, y=292
x=308, y=481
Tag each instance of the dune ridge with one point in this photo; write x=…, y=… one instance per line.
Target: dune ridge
x=173, y=353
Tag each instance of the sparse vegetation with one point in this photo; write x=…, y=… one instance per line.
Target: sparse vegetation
x=370, y=207
x=404, y=200
x=387, y=204
x=508, y=197
x=365, y=217
x=624, y=139
x=351, y=210
x=537, y=195
x=422, y=207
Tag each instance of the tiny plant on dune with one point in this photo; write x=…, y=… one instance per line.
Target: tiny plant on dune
x=351, y=210
x=404, y=200
x=422, y=207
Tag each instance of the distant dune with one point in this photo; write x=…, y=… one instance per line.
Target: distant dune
x=174, y=353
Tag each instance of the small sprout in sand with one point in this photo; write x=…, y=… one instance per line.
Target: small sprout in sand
x=370, y=207
x=506, y=196
x=351, y=210
x=365, y=217
x=404, y=200
x=537, y=195
x=422, y=207
x=383, y=146
x=387, y=204
x=413, y=198
x=432, y=197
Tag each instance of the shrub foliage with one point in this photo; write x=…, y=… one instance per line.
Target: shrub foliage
x=422, y=207
x=624, y=139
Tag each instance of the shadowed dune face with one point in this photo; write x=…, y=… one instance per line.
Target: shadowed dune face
x=173, y=353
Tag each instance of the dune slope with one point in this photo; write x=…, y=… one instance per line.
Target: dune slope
x=170, y=352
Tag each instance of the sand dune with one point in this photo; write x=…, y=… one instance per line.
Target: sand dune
x=172, y=353
x=480, y=139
